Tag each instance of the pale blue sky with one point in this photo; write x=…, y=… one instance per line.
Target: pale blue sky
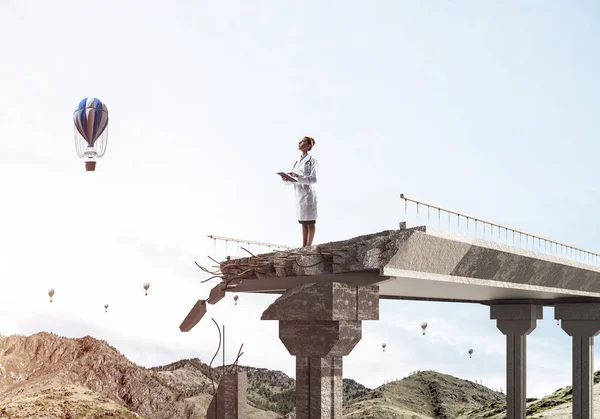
x=485, y=107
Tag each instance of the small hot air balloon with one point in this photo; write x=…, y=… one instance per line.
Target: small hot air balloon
x=470, y=352
x=424, y=326
x=383, y=345
x=90, y=119
x=235, y=298
x=146, y=286
x=105, y=308
x=51, y=294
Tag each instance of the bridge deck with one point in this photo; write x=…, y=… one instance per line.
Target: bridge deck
x=422, y=264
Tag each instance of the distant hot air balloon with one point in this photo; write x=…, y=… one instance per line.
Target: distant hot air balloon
x=470, y=352
x=424, y=326
x=235, y=298
x=383, y=345
x=105, y=308
x=146, y=286
x=90, y=119
x=51, y=294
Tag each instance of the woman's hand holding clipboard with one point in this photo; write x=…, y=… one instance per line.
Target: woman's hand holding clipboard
x=287, y=177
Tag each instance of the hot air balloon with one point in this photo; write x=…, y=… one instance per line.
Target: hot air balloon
x=146, y=286
x=235, y=298
x=383, y=345
x=424, y=326
x=90, y=119
x=51, y=294
x=105, y=308
x=470, y=352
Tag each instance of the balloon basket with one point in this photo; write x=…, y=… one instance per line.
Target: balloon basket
x=90, y=166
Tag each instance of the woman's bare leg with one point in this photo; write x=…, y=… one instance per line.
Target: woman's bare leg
x=311, y=233
x=304, y=235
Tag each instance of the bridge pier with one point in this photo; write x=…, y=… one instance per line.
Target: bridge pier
x=516, y=321
x=320, y=323
x=581, y=321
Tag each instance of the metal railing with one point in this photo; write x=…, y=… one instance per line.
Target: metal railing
x=250, y=245
x=544, y=244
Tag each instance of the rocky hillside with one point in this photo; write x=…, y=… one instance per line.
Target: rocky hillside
x=431, y=395
x=44, y=361
x=68, y=401
x=66, y=377
x=557, y=405
x=353, y=390
x=267, y=389
x=46, y=376
x=425, y=394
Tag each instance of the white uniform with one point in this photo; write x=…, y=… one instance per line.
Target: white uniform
x=306, y=194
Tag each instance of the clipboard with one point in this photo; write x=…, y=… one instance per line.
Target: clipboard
x=288, y=177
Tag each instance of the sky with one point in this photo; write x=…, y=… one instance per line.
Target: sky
x=489, y=108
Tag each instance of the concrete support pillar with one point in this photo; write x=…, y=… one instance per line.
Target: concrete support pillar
x=230, y=400
x=581, y=321
x=516, y=321
x=320, y=323
x=319, y=389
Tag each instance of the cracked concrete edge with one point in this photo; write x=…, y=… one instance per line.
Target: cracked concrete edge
x=194, y=316
x=429, y=252
x=371, y=251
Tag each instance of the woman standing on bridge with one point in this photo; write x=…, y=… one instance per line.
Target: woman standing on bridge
x=305, y=172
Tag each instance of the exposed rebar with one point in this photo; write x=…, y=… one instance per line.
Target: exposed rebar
x=235, y=363
x=213, y=358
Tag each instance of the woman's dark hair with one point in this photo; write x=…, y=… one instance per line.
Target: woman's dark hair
x=311, y=141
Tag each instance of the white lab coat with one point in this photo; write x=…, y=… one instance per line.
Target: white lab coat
x=306, y=194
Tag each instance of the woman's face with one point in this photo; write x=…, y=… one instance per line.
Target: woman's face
x=304, y=145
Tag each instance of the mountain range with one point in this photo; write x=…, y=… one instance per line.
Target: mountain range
x=47, y=376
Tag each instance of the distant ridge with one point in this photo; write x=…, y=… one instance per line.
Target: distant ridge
x=46, y=375
x=49, y=376
x=426, y=394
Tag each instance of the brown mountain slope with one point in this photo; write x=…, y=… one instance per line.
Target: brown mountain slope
x=425, y=394
x=45, y=360
x=557, y=405
x=67, y=402
x=47, y=376
x=45, y=363
x=267, y=389
x=34, y=369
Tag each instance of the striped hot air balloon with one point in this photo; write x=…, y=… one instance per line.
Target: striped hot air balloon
x=91, y=134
